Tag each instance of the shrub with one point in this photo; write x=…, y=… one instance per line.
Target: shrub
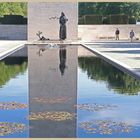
x=132, y=20
x=13, y=19
x=118, y=19
x=93, y=19
x=24, y=20
x=106, y=20
x=1, y=20
x=81, y=20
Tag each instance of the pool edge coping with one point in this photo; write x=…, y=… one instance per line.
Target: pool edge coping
x=105, y=57
x=11, y=51
x=118, y=64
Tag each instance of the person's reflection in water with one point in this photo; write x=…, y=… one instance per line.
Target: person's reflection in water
x=62, y=57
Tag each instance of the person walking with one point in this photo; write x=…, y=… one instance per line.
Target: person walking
x=117, y=34
x=132, y=34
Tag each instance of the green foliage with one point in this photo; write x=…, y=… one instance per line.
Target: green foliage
x=117, y=80
x=13, y=8
x=108, y=8
x=11, y=68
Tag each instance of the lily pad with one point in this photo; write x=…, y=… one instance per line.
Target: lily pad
x=12, y=105
x=95, y=107
x=53, y=116
x=53, y=100
x=7, y=128
x=106, y=127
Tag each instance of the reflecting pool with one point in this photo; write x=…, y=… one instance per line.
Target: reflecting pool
x=108, y=100
x=14, y=97
x=66, y=92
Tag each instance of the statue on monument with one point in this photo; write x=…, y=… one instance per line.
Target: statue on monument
x=62, y=31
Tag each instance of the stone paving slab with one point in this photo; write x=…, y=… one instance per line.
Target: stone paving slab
x=125, y=56
x=8, y=47
x=44, y=42
x=110, y=41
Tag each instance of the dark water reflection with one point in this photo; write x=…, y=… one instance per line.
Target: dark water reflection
x=99, y=70
x=10, y=67
x=108, y=101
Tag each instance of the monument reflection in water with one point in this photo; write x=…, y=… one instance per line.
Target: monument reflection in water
x=74, y=93
x=53, y=91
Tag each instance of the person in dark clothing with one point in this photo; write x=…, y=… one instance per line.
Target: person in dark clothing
x=117, y=34
x=62, y=21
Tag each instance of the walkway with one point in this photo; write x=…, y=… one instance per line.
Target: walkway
x=8, y=47
x=125, y=56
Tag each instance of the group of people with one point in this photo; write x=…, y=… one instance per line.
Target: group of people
x=132, y=34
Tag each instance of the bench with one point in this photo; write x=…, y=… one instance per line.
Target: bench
x=107, y=37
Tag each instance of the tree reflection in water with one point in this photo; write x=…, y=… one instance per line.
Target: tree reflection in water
x=11, y=67
x=117, y=80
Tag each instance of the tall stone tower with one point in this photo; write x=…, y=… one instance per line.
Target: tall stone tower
x=43, y=16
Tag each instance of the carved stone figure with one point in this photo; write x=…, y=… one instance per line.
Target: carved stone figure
x=62, y=21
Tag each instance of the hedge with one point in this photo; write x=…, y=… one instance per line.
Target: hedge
x=119, y=19
x=81, y=20
x=110, y=19
x=106, y=20
x=93, y=19
x=1, y=20
x=13, y=19
x=132, y=20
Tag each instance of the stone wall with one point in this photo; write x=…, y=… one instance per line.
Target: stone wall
x=96, y=32
x=13, y=32
x=40, y=19
x=85, y=32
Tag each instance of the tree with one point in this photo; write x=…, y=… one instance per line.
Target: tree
x=108, y=8
x=15, y=8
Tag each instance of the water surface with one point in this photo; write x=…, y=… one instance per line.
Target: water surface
x=72, y=94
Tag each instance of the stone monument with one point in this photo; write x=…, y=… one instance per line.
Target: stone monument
x=44, y=17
